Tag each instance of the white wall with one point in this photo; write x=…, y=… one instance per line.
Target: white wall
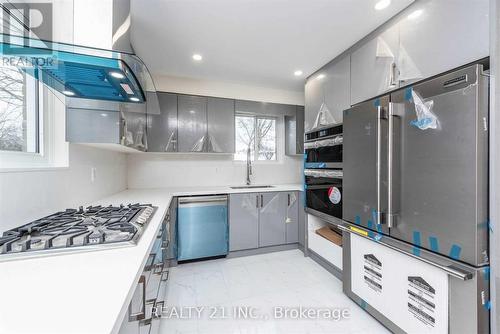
x=230, y=90
x=28, y=195
x=173, y=170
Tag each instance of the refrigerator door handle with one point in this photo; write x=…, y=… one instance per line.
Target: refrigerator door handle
x=391, y=210
x=381, y=115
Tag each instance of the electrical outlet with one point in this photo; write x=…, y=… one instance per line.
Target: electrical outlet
x=93, y=172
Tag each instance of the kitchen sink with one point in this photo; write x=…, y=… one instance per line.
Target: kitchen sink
x=251, y=187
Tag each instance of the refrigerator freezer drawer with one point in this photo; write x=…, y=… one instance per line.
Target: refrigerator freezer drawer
x=202, y=228
x=422, y=298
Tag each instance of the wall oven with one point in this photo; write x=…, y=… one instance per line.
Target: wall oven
x=323, y=148
x=324, y=191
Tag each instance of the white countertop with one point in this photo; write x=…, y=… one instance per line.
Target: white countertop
x=89, y=291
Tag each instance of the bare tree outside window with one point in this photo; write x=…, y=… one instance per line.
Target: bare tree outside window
x=258, y=134
x=18, y=119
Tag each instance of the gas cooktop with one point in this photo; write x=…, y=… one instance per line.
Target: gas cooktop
x=82, y=228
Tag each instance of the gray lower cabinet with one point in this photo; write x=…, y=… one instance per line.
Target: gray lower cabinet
x=292, y=217
x=162, y=127
x=272, y=229
x=260, y=219
x=192, y=123
x=144, y=310
x=243, y=221
x=220, y=118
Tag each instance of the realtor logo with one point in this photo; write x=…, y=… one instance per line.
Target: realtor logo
x=26, y=26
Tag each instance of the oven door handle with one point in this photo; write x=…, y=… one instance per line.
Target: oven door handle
x=323, y=186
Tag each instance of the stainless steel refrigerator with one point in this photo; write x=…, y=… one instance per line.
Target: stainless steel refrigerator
x=416, y=172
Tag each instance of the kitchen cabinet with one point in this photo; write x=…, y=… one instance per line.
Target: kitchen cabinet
x=192, y=123
x=162, y=128
x=220, y=118
x=260, y=219
x=243, y=221
x=433, y=40
x=272, y=229
x=328, y=90
x=151, y=289
x=294, y=132
x=374, y=65
x=292, y=218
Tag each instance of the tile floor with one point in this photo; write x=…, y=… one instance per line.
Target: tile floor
x=258, y=284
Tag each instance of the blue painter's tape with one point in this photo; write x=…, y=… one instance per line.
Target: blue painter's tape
x=486, y=272
x=374, y=216
x=379, y=228
x=408, y=94
x=416, y=242
x=421, y=123
x=357, y=220
x=378, y=237
x=370, y=226
x=433, y=242
x=487, y=305
x=455, y=252
x=315, y=165
x=376, y=103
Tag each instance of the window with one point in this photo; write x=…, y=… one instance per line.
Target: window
x=257, y=134
x=19, y=119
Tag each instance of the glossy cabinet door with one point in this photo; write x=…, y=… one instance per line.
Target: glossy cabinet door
x=374, y=66
x=243, y=221
x=162, y=128
x=435, y=39
x=292, y=217
x=221, y=137
x=192, y=122
x=272, y=229
x=328, y=89
x=294, y=132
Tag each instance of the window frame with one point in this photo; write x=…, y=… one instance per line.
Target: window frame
x=255, y=145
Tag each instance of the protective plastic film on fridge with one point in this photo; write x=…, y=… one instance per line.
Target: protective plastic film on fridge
x=416, y=171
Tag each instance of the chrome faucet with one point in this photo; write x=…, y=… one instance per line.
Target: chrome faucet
x=249, y=166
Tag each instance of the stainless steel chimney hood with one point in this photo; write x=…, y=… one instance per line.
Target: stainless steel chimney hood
x=108, y=94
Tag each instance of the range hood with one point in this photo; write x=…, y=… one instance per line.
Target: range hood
x=108, y=94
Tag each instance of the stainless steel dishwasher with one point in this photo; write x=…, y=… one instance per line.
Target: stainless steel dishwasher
x=202, y=227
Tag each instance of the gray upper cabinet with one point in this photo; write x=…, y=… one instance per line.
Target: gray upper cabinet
x=434, y=41
x=292, y=217
x=374, y=66
x=294, y=132
x=221, y=137
x=243, y=221
x=162, y=128
x=192, y=123
x=272, y=229
x=328, y=92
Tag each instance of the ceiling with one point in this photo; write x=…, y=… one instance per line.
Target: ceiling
x=255, y=42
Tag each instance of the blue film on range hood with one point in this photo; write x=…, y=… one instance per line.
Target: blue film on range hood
x=77, y=72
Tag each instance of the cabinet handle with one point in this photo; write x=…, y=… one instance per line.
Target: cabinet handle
x=147, y=321
x=257, y=201
x=261, y=201
x=288, y=199
x=142, y=313
x=149, y=262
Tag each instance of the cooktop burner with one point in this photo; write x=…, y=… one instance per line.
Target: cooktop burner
x=94, y=225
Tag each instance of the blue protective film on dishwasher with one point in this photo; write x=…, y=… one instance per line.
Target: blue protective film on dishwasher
x=357, y=220
x=376, y=103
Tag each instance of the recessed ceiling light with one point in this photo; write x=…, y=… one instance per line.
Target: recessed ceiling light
x=382, y=4
x=297, y=73
x=134, y=99
x=415, y=14
x=68, y=93
x=197, y=57
x=320, y=76
x=117, y=75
